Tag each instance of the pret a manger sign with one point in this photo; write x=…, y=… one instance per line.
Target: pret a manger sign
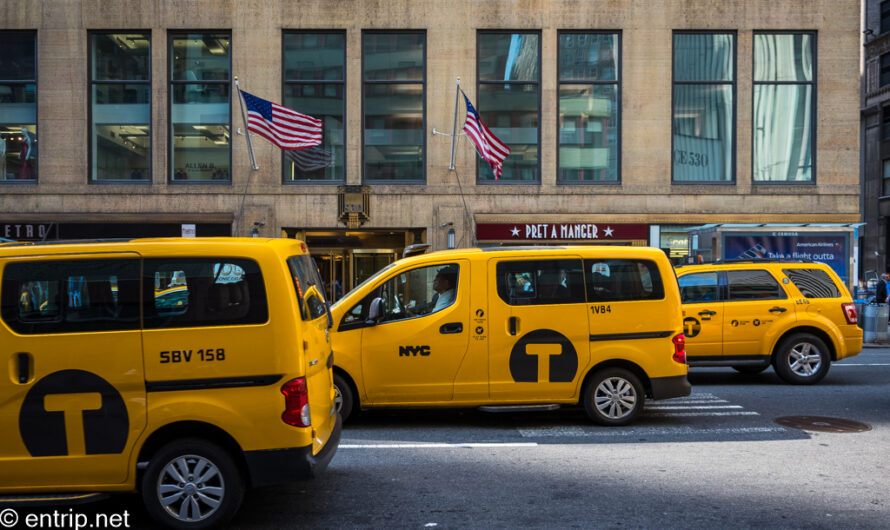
x=560, y=231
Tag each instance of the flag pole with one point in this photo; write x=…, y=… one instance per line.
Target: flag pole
x=246, y=131
x=454, y=132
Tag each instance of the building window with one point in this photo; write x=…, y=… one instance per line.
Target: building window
x=120, y=106
x=704, y=108
x=200, y=103
x=784, y=107
x=314, y=84
x=394, y=75
x=589, y=102
x=885, y=122
x=509, y=101
x=885, y=70
x=18, y=106
x=885, y=16
x=885, y=191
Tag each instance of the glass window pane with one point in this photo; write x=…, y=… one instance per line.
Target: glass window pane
x=885, y=70
x=324, y=162
x=885, y=16
x=511, y=112
x=703, y=132
x=753, y=285
x=698, y=288
x=121, y=152
x=813, y=283
x=783, y=142
x=18, y=151
x=509, y=56
x=120, y=56
x=783, y=57
x=314, y=56
x=17, y=56
x=393, y=56
x=588, y=133
x=622, y=279
x=200, y=57
x=200, y=152
x=886, y=190
x=393, y=122
x=588, y=56
x=703, y=57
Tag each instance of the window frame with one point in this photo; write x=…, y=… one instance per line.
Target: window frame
x=884, y=9
x=36, y=82
x=423, y=83
x=813, y=107
x=539, y=83
x=284, y=84
x=592, y=83
x=732, y=180
x=91, y=82
x=171, y=36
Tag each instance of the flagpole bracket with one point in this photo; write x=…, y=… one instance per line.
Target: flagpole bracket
x=440, y=133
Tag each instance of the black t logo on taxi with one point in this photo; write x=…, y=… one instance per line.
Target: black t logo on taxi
x=691, y=327
x=545, y=353
x=73, y=412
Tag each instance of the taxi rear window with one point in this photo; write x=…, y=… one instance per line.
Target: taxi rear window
x=813, y=283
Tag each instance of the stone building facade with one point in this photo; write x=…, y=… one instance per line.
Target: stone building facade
x=629, y=121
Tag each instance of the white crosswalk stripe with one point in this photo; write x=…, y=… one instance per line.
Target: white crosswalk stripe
x=694, y=406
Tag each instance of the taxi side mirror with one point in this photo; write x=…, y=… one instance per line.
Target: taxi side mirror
x=375, y=312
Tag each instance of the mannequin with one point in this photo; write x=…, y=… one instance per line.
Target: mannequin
x=25, y=155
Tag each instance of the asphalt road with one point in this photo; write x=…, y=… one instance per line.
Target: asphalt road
x=715, y=459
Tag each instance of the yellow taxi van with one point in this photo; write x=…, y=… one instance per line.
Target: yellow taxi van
x=514, y=329
x=798, y=317
x=187, y=369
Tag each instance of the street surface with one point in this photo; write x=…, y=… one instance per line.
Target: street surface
x=714, y=459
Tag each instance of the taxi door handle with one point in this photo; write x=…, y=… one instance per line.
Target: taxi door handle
x=778, y=309
x=706, y=313
x=513, y=324
x=453, y=327
x=24, y=367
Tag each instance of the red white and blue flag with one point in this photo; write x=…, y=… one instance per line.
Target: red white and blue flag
x=283, y=127
x=489, y=146
x=311, y=159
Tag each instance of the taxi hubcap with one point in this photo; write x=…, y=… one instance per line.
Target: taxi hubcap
x=615, y=397
x=805, y=360
x=338, y=398
x=190, y=488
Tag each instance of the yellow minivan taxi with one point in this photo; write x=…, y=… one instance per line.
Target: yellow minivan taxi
x=796, y=316
x=187, y=369
x=514, y=328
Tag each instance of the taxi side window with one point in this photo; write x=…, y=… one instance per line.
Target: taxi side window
x=308, y=285
x=540, y=282
x=68, y=296
x=187, y=292
x=616, y=280
x=753, y=285
x=698, y=288
x=419, y=291
x=813, y=283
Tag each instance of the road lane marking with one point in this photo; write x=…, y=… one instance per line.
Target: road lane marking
x=861, y=364
x=691, y=407
x=546, y=432
x=435, y=445
x=686, y=414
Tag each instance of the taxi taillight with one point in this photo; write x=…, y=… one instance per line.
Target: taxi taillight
x=296, y=403
x=850, y=313
x=680, y=348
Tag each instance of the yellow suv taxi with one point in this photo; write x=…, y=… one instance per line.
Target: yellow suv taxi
x=797, y=316
x=187, y=369
x=514, y=329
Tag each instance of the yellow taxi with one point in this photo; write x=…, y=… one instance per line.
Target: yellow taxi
x=514, y=329
x=186, y=369
x=798, y=317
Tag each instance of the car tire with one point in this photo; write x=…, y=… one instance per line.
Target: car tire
x=750, y=370
x=177, y=499
x=344, y=398
x=613, y=396
x=802, y=359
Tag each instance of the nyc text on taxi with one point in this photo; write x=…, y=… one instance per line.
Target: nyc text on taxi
x=188, y=369
x=797, y=316
x=520, y=327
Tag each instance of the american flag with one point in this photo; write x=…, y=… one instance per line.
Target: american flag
x=283, y=127
x=311, y=159
x=490, y=148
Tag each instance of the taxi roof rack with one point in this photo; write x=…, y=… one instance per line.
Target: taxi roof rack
x=721, y=261
x=415, y=250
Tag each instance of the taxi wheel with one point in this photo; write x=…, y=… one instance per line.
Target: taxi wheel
x=802, y=359
x=192, y=484
x=613, y=396
x=343, y=397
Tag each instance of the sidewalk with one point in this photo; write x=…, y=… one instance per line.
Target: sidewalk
x=882, y=344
